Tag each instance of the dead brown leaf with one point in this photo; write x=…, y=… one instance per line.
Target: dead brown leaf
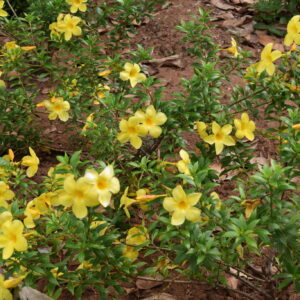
x=232, y=282
x=266, y=39
x=236, y=22
x=222, y=5
x=160, y=296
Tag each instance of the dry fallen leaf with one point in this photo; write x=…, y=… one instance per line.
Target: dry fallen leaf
x=221, y=5
x=265, y=39
x=236, y=22
x=232, y=282
x=160, y=296
x=27, y=293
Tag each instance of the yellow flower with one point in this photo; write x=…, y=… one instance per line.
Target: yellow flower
x=267, y=58
x=84, y=265
x=102, y=92
x=77, y=5
x=5, y=194
x=54, y=27
x=216, y=199
x=132, y=73
x=37, y=207
x=137, y=235
x=131, y=130
x=293, y=88
x=201, y=127
x=95, y=224
x=296, y=126
x=293, y=31
x=183, y=165
x=28, y=48
x=129, y=252
x=88, y=123
x=181, y=206
x=4, y=292
x=31, y=162
x=250, y=206
x=11, y=45
x=244, y=127
x=125, y=202
x=12, y=238
x=233, y=49
x=13, y=282
x=5, y=216
x=220, y=137
x=104, y=184
x=68, y=26
x=142, y=198
x=78, y=195
x=152, y=120
x=58, y=108
x=104, y=73
x=3, y=13
x=55, y=272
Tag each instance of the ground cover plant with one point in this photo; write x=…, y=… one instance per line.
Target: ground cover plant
x=135, y=202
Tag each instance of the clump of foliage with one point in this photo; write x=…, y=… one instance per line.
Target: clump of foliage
x=138, y=192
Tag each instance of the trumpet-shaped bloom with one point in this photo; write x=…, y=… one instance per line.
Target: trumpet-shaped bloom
x=131, y=130
x=220, y=137
x=5, y=216
x=5, y=194
x=244, y=127
x=78, y=195
x=32, y=162
x=4, y=292
x=125, y=202
x=58, y=108
x=3, y=13
x=233, y=49
x=293, y=31
x=132, y=73
x=183, y=165
x=68, y=26
x=152, y=120
x=201, y=128
x=77, y=5
x=12, y=238
x=296, y=126
x=250, y=206
x=267, y=58
x=104, y=184
x=137, y=235
x=181, y=206
x=89, y=123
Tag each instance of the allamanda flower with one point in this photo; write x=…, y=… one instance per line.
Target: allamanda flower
x=77, y=5
x=105, y=184
x=58, y=108
x=244, y=127
x=5, y=194
x=183, y=165
x=132, y=73
x=132, y=130
x=69, y=26
x=267, y=58
x=3, y=13
x=78, y=195
x=5, y=294
x=12, y=238
x=220, y=137
x=293, y=31
x=201, y=128
x=152, y=120
x=32, y=162
x=233, y=49
x=125, y=202
x=181, y=206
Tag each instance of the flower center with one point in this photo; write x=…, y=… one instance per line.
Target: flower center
x=102, y=184
x=132, y=73
x=219, y=136
x=149, y=121
x=79, y=194
x=131, y=130
x=183, y=205
x=57, y=107
x=70, y=25
x=269, y=59
x=12, y=237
